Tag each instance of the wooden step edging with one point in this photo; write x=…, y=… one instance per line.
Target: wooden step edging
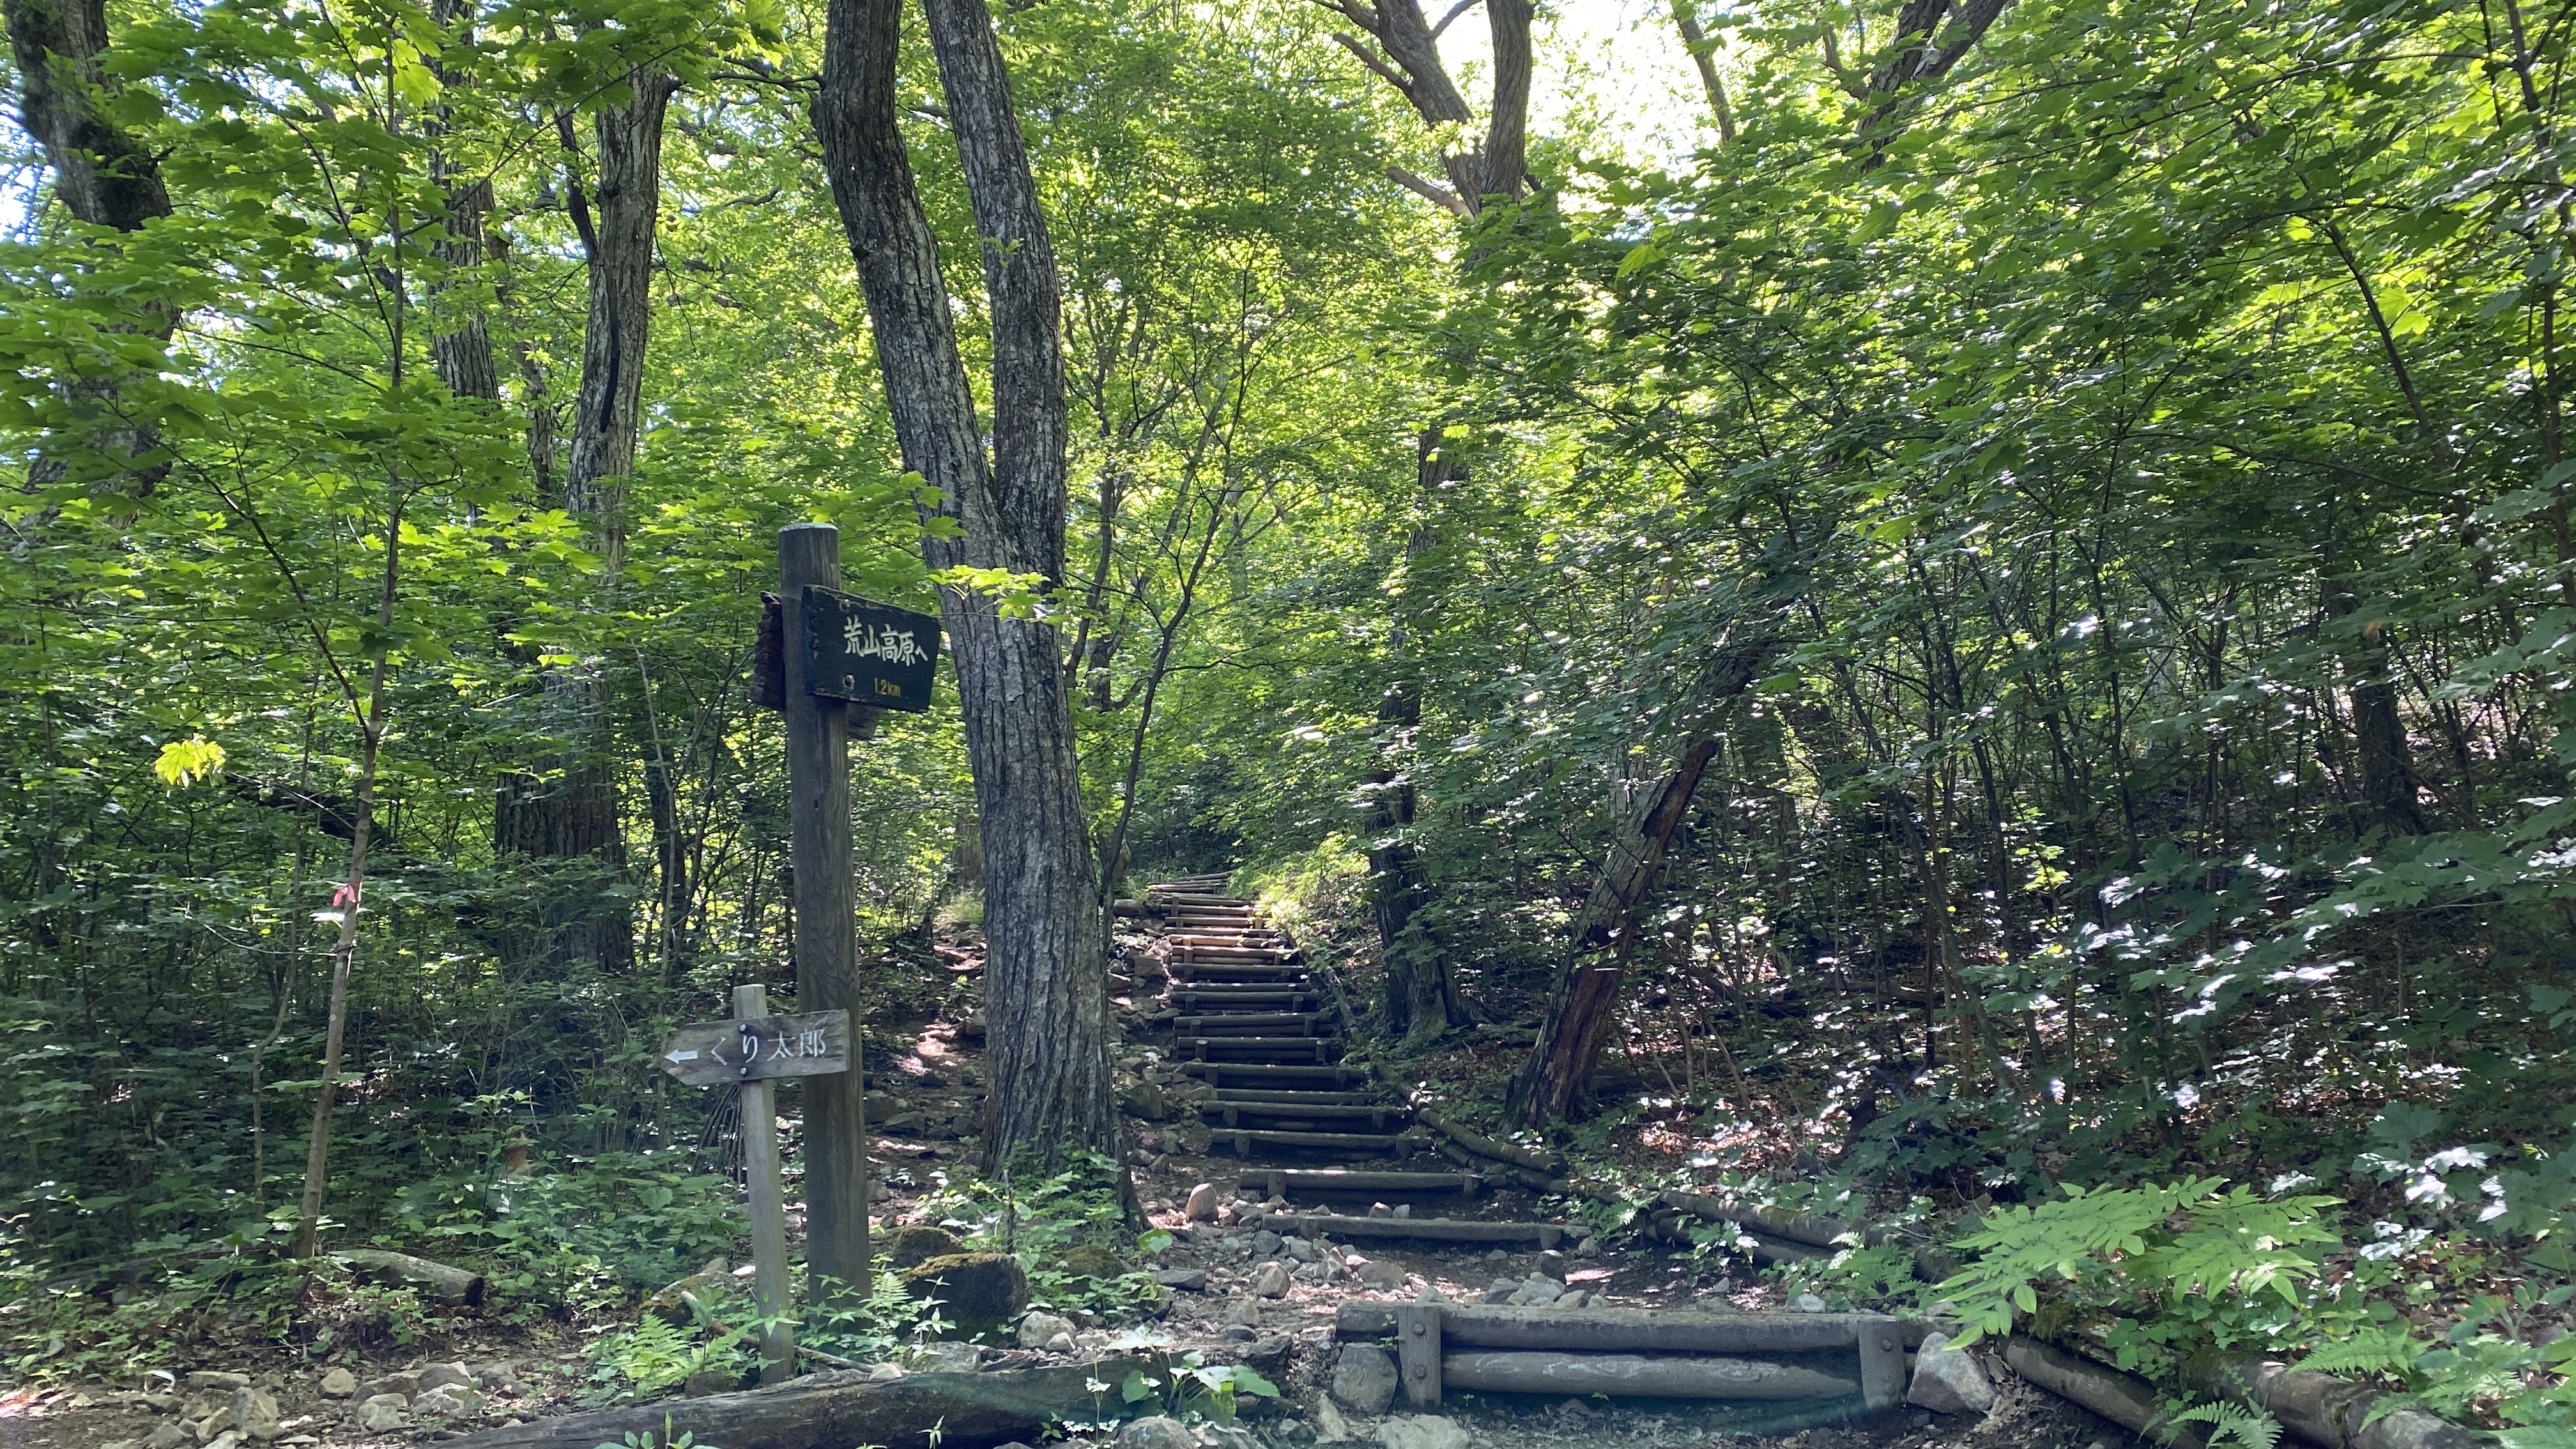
x=1595, y=1351
x=1276, y=1072
x=1280, y=1183
x=1244, y=1139
x=1429, y=1230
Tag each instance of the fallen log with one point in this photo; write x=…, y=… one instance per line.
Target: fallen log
x=839, y=1409
x=1807, y=1228
x=452, y=1285
x=1629, y=1376
x=1505, y=1171
x=2329, y=1411
x=2132, y=1403
x=1484, y=1146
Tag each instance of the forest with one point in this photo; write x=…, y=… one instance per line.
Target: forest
x=1978, y=651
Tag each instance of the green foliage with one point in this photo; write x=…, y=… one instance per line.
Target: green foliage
x=2174, y=1270
x=653, y=1358
x=1183, y=1388
x=2232, y=1424
x=641, y=1219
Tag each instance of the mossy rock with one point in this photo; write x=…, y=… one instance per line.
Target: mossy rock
x=977, y=1292
x=912, y=1247
x=1090, y=1260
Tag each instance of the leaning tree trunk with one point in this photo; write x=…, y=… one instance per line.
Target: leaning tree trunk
x=1587, y=988
x=1046, y=1000
x=105, y=177
x=572, y=816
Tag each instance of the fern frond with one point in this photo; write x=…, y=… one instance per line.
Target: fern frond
x=2233, y=1424
x=2375, y=1349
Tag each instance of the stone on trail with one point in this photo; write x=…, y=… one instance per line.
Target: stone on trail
x=1536, y=1292
x=976, y=1292
x=1202, y=1204
x=218, y=1379
x=915, y=1246
x=1242, y=1313
x=165, y=1436
x=1553, y=1264
x=461, y=1401
x=1364, y=1378
x=1038, y=1328
x=1188, y=1280
x=1430, y=1294
x=1421, y=1431
x=339, y=1383
x=1949, y=1380
x=1809, y=1303
x=1090, y=1260
x=1061, y=1343
x=1330, y=1426
x=405, y=1384
x=439, y=1375
x=1271, y=1281
x=1379, y=1273
x=384, y=1413
x=1269, y=1355
x=1156, y=1432
x=255, y=1413
x=1501, y=1290
x=1266, y=1242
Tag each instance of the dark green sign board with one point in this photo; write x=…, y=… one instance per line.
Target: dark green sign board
x=867, y=652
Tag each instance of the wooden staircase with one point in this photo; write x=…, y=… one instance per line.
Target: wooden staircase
x=1255, y=1026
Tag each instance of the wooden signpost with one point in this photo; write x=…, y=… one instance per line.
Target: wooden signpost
x=751, y=1050
x=828, y=662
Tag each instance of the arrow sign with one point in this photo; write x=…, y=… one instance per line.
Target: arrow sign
x=714, y=1053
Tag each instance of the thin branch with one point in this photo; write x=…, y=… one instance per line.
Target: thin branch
x=1368, y=57
x=1438, y=194
x=1461, y=8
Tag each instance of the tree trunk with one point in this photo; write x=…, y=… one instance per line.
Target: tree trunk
x=105, y=178
x=2379, y=731
x=1587, y=989
x=460, y=342
x=572, y=814
x=1046, y=999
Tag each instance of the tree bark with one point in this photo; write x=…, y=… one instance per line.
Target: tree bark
x=1587, y=989
x=1695, y=40
x=105, y=177
x=1046, y=1000
x=2379, y=730
x=571, y=813
x=460, y=341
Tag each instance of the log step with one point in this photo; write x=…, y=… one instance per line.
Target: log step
x=1271, y=1072
x=1430, y=1230
x=1258, y=1023
x=1248, y=996
x=1281, y=1183
x=1284, y=975
x=1319, y=1099
x=1245, y=1139
x=1278, y=1049
x=1232, y=955
x=1376, y=1114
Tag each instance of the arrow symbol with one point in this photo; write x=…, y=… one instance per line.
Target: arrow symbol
x=686, y=1056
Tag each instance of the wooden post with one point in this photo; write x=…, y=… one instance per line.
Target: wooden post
x=768, y=1210
x=1417, y=1353
x=1882, y=1364
x=818, y=783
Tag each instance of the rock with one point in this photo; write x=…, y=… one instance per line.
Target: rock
x=384, y=1413
x=1536, y=1291
x=165, y=1436
x=1037, y=1328
x=1189, y=1280
x=946, y=1358
x=1421, y=1431
x=1271, y=1281
x=1330, y=1426
x=1588, y=1248
x=1242, y=1313
x=1061, y=1343
x=915, y=1246
x=499, y=1377
x=1379, y=1273
x=1266, y=1242
x=1552, y=1264
x=255, y=1412
x=1090, y=1260
x=1269, y=1355
x=1380, y=1210
x=339, y=1383
x=1194, y=1138
x=405, y=1384
x=440, y=1375
x=1298, y=1248
x=977, y=1292
x=1201, y=1207
x=1404, y=1210
x=1315, y=1273
x=228, y=1439
x=1809, y=1303
x=1364, y=1379
x=1147, y=1100
x=699, y=1385
x=1156, y=1432
x=463, y=1401
x=1430, y=1294
x=218, y=1422
x=1501, y=1290
x=1949, y=1380
x=218, y=1380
